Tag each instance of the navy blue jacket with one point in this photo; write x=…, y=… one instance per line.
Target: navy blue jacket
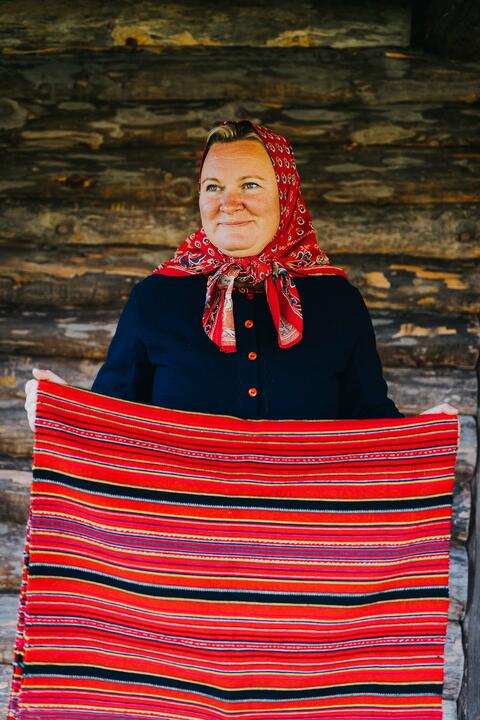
x=161, y=355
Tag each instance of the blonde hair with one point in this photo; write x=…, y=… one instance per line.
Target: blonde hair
x=235, y=130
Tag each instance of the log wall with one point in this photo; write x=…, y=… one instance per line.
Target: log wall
x=103, y=113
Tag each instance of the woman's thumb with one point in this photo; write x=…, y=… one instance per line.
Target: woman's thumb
x=40, y=374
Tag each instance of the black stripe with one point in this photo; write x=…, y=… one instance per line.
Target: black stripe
x=237, y=501
x=41, y=570
x=246, y=694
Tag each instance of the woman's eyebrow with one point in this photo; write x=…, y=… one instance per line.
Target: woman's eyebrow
x=244, y=177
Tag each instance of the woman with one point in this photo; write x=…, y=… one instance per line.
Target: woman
x=248, y=318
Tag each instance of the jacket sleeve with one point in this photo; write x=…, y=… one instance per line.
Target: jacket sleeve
x=127, y=372
x=364, y=391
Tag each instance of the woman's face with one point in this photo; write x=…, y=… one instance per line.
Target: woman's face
x=239, y=203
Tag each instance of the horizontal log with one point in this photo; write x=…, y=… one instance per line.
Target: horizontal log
x=8, y=629
x=454, y=661
x=419, y=389
x=422, y=341
x=15, y=370
x=30, y=27
x=413, y=389
x=446, y=231
x=458, y=581
x=92, y=276
x=12, y=543
x=30, y=124
x=307, y=76
x=468, y=450
x=15, y=492
x=449, y=710
x=462, y=508
x=166, y=176
x=5, y=681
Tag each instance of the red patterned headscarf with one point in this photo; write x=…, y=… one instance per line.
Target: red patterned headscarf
x=292, y=252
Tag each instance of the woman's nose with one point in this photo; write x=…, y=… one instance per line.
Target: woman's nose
x=230, y=200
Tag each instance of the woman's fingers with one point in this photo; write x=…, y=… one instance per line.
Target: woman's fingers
x=31, y=389
x=442, y=408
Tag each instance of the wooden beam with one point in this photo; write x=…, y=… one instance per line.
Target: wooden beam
x=469, y=701
x=421, y=340
x=167, y=176
x=417, y=389
x=413, y=389
x=33, y=124
x=454, y=661
x=29, y=26
x=99, y=276
x=310, y=77
x=444, y=231
x=426, y=340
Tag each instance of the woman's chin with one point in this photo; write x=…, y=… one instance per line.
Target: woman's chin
x=239, y=246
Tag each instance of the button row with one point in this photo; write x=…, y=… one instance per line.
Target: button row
x=253, y=392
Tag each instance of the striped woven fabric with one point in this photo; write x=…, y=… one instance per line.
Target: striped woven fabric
x=190, y=566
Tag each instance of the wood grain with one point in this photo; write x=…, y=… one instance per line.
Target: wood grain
x=308, y=76
x=29, y=27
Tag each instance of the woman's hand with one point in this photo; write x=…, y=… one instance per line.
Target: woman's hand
x=31, y=388
x=442, y=408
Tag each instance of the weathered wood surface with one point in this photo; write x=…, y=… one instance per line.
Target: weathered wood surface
x=167, y=175
x=30, y=27
x=15, y=370
x=449, y=710
x=454, y=661
x=426, y=340
x=416, y=390
x=420, y=340
x=88, y=276
x=8, y=626
x=30, y=124
x=307, y=76
x=469, y=701
x=458, y=581
x=14, y=494
x=5, y=680
x=413, y=389
x=448, y=231
x=12, y=543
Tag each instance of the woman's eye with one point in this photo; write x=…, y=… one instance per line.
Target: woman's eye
x=212, y=187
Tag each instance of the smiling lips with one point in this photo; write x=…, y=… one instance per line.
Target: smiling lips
x=243, y=222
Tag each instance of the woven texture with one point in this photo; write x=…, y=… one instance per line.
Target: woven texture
x=191, y=566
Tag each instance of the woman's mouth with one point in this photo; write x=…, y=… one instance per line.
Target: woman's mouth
x=243, y=222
